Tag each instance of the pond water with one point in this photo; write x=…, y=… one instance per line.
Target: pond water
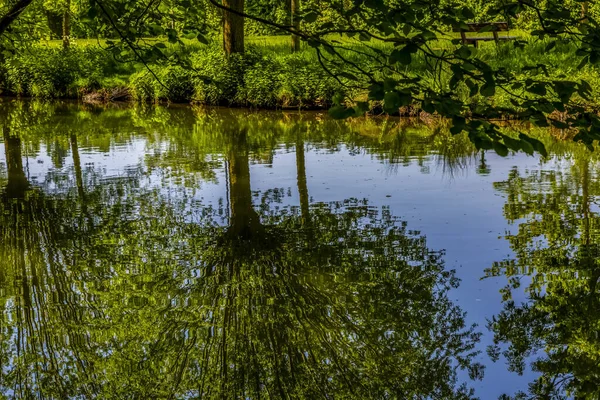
x=181, y=253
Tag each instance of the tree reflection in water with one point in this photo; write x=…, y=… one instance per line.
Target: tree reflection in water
x=557, y=259
x=116, y=290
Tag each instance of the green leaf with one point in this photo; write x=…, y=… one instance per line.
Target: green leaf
x=92, y=12
x=538, y=88
x=172, y=35
x=534, y=144
x=464, y=52
x=402, y=56
x=392, y=102
x=458, y=124
x=310, y=17
x=361, y=108
x=376, y=92
x=488, y=89
x=500, y=149
x=583, y=63
x=202, y=39
x=340, y=112
x=467, y=13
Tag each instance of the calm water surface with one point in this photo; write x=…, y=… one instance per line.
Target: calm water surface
x=179, y=253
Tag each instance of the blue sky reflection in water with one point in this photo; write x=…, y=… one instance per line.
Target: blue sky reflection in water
x=179, y=252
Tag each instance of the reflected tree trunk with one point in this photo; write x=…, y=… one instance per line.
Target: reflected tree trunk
x=77, y=166
x=233, y=27
x=302, y=184
x=17, y=181
x=244, y=221
x=585, y=204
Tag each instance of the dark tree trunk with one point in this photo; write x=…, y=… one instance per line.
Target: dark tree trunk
x=302, y=186
x=54, y=24
x=295, y=6
x=244, y=222
x=77, y=165
x=66, y=25
x=233, y=27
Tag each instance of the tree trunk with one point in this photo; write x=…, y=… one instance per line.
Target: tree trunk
x=584, y=10
x=66, y=25
x=295, y=6
x=233, y=27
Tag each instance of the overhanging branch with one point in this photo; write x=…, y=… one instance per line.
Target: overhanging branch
x=13, y=14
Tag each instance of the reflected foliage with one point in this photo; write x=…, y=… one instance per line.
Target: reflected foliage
x=122, y=285
x=556, y=246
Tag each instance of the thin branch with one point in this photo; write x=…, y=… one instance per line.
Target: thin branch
x=129, y=43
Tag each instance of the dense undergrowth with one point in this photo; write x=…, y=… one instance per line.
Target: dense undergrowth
x=266, y=76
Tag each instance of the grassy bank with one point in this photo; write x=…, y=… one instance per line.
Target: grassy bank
x=267, y=76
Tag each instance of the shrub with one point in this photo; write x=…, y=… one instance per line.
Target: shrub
x=305, y=83
x=262, y=84
x=174, y=84
x=142, y=87
x=221, y=79
x=51, y=73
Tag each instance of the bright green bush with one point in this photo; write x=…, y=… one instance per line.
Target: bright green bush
x=174, y=84
x=266, y=76
x=305, y=83
x=142, y=87
x=45, y=72
x=262, y=84
x=221, y=78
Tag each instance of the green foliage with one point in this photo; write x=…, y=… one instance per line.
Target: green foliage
x=557, y=262
x=394, y=55
x=172, y=83
x=149, y=292
x=45, y=72
x=50, y=73
x=223, y=77
x=257, y=78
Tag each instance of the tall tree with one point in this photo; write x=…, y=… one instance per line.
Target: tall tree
x=233, y=26
x=295, y=19
x=66, y=24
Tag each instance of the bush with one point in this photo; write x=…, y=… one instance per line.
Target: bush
x=174, y=84
x=305, y=83
x=52, y=73
x=221, y=78
x=262, y=84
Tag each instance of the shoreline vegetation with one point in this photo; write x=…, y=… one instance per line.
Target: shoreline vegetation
x=267, y=76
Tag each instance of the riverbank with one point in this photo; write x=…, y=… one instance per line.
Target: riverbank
x=266, y=77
